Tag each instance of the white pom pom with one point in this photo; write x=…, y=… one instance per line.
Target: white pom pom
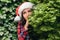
x=17, y=18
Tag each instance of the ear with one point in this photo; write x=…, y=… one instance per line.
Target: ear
x=17, y=18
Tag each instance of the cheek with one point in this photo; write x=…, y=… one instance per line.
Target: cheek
x=30, y=13
x=24, y=15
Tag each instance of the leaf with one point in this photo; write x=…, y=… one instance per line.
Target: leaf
x=8, y=1
x=46, y=28
x=1, y=33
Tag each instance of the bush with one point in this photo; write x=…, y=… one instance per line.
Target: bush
x=45, y=20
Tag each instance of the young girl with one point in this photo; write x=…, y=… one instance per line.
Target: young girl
x=22, y=13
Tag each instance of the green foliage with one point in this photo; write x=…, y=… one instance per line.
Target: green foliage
x=45, y=19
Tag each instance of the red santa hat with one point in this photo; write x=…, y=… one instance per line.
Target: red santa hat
x=20, y=8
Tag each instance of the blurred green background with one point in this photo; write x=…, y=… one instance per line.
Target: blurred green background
x=45, y=23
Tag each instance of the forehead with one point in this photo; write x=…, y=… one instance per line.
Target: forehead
x=26, y=9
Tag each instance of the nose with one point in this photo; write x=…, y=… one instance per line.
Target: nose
x=27, y=14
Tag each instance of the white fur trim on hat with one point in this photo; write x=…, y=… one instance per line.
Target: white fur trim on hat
x=17, y=18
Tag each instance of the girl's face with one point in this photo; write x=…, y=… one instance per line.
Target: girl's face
x=26, y=13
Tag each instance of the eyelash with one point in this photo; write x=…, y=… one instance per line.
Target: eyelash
x=29, y=11
x=24, y=12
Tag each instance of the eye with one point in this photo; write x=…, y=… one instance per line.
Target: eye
x=24, y=12
x=29, y=10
